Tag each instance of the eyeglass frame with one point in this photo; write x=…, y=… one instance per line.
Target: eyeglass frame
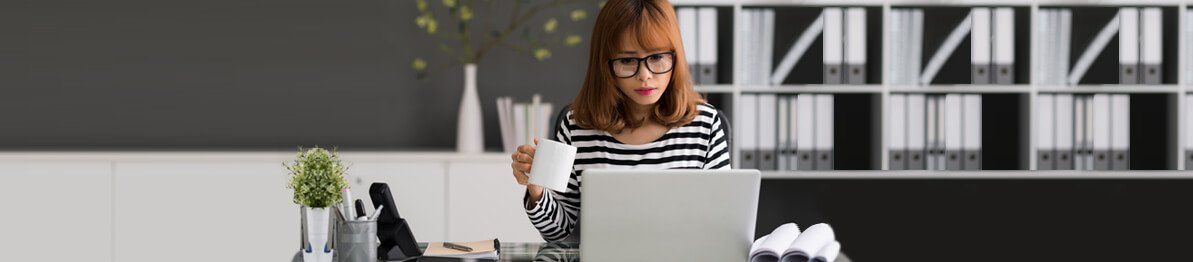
x=639, y=60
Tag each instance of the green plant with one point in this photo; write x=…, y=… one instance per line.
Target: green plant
x=317, y=177
x=463, y=49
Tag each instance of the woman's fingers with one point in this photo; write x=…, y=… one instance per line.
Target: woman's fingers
x=521, y=177
x=526, y=149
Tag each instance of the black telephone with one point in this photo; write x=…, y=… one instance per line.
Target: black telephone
x=397, y=241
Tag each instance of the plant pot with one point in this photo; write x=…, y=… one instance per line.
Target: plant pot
x=318, y=226
x=470, y=131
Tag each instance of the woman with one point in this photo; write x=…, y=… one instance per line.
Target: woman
x=636, y=109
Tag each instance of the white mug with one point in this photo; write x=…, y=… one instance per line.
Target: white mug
x=552, y=166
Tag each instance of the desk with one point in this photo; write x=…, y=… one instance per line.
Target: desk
x=542, y=252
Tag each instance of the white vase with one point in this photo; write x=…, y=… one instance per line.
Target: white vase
x=470, y=131
x=318, y=226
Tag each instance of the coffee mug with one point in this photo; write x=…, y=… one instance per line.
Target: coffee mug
x=552, y=166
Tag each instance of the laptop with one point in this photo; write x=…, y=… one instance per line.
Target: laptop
x=668, y=215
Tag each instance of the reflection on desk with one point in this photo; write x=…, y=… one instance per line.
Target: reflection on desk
x=536, y=252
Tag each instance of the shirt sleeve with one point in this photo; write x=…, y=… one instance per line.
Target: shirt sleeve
x=718, y=147
x=555, y=214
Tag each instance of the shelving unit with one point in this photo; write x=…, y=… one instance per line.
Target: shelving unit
x=1171, y=91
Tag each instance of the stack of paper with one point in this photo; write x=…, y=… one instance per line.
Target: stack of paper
x=522, y=122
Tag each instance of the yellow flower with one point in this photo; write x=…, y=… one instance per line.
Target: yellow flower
x=419, y=64
x=578, y=15
x=432, y=26
x=550, y=26
x=449, y=3
x=465, y=13
x=422, y=5
x=542, y=54
x=572, y=40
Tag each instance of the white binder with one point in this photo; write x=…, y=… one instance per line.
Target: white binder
x=1128, y=45
x=824, y=132
x=747, y=128
x=953, y=134
x=805, y=132
x=1101, y=131
x=708, y=45
x=1045, y=132
x=792, y=134
x=933, y=150
x=897, y=156
x=767, y=45
x=833, y=45
x=1064, y=132
x=767, y=136
x=784, y=128
x=979, y=43
x=1120, y=141
x=916, y=132
x=1151, y=43
x=1080, y=125
x=1003, y=59
x=687, y=32
x=972, y=146
x=855, y=43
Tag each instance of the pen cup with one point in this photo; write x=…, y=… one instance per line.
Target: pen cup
x=356, y=241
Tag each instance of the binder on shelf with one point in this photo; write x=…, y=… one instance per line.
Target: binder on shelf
x=932, y=121
x=972, y=147
x=1120, y=141
x=1003, y=42
x=707, y=35
x=916, y=51
x=1079, y=138
x=824, y=132
x=1089, y=132
x=897, y=32
x=748, y=140
x=792, y=135
x=953, y=131
x=855, y=45
x=767, y=108
x=1188, y=132
x=897, y=156
x=805, y=132
x=1045, y=133
x=767, y=45
x=1064, y=132
x=916, y=132
x=833, y=45
x=1101, y=131
x=980, y=46
x=784, y=129
x=1128, y=45
x=688, y=28
x=1151, y=44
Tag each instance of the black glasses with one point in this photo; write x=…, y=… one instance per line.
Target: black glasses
x=627, y=67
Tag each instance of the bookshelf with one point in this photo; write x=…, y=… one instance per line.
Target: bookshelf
x=1158, y=110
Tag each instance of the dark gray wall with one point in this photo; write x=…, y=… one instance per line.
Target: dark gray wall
x=233, y=74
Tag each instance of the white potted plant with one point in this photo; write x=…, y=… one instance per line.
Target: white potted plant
x=317, y=178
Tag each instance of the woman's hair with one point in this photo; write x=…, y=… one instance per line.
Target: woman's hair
x=600, y=105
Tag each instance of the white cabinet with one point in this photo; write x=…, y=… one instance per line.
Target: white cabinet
x=200, y=210
x=484, y=202
x=49, y=204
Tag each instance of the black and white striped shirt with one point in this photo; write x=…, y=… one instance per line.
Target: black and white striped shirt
x=701, y=144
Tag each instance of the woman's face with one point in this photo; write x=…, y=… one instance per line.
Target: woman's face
x=644, y=87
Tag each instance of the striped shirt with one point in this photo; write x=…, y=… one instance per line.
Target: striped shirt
x=701, y=144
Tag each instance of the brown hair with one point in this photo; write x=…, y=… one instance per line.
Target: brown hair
x=600, y=105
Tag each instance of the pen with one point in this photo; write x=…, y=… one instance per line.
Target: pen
x=457, y=246
x=360, y=209
x=376, y=213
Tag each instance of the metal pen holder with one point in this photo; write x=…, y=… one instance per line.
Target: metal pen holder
x=356, y=241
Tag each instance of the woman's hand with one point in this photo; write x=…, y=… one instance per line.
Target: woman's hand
x=523, y=158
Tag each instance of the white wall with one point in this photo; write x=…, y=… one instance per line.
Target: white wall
x=152, y=206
